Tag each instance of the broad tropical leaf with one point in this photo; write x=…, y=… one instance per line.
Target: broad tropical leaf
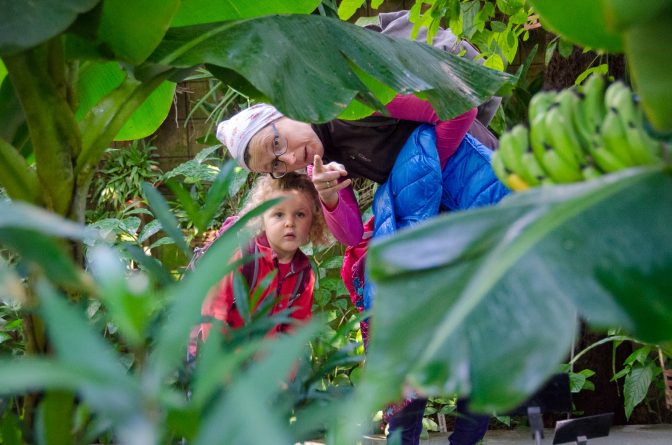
x=193, y=12
x=650, y=72
x=97, y=80
x=493, y=295
x=133, y=29
x=636, y=386
x=30, y=232
x=579, y=21
x=149, y=116
x=296, y=60
x=47, y=18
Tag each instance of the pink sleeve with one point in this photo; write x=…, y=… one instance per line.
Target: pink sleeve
x=449, y=134
x=345, y=220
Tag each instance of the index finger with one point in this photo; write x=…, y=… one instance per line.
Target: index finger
x=318, y=167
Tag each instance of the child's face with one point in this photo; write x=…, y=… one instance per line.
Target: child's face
x=287, y=225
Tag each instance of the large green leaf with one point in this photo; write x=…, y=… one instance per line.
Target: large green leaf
x=492, y=295
x=650, y=69
x=636, y=386
x=27, y=374
x=308, y=65
x=194, y=12
x=27, y=217
x=30, y=231
x=97, y=80
x=133, y=29
x=580, y=21
x=149, y=116
x=24, y=24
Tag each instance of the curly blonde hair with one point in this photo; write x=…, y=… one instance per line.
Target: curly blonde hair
x=265, y=186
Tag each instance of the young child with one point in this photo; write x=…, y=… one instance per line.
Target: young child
x=282, y=229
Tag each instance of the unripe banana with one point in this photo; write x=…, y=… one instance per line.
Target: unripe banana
x=584, y=133
x=561, y=135
x=499, y=168
x=539, y=103
x=536, y=173
x=613, y=90
x=520, y=135
x=614, y=137
x=540, y=146
x=538, y=141
x=564, y=100
x=593, y=103
x=589, y=172
x=559, y=169
x=552, y=163
x=643, y=149
x=511, y=150
x=516, y=183
x=604, y=159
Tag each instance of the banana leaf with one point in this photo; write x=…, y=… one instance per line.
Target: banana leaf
x=192, y=12
x=580, y=22
x=493, y=296
x=294, y=60
x=47, y=18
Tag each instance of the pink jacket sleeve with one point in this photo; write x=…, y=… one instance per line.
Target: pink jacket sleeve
x=449, y=134
x=344, y=220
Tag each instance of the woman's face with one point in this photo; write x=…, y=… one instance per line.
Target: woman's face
x=301, y=141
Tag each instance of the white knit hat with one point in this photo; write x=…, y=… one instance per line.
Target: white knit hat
x=236, y=132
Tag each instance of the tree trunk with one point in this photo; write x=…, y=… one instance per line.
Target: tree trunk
x=561, y=73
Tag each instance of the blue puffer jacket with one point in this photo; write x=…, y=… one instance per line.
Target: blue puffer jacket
x=417, y=189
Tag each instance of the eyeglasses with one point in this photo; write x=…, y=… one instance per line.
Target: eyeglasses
x=278, y=167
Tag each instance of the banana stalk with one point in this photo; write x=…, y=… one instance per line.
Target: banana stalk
x=53, y=129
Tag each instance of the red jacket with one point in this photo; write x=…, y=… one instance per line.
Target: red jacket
x=220, y=303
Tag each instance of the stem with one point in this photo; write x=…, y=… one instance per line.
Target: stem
x=601, y=342
x=16, y=176
x=51, y=123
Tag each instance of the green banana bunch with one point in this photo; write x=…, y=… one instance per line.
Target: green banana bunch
x=576, y=134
